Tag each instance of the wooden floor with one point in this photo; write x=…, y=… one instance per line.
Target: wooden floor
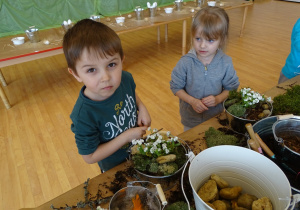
x=38, y=157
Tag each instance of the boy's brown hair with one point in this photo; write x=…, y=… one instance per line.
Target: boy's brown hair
x=94, y=36
x=214, y=22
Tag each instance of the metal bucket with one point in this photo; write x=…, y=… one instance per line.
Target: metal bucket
x=237, y=123
x=286, y=159
x=139, y=12
x=239, y=166
x=178, y=5
x=95, y=18
x=137, y=197
x=284, y=129
x=152, y=12
x=169, y=181
x=33, y=34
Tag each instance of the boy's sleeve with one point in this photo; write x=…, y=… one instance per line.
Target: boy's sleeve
x=87, y=137
x=231, y=80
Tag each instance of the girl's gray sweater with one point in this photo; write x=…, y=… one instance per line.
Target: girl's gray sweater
x=190, y=75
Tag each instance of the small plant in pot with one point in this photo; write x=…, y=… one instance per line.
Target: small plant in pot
x=159, y=154
x=246, y=106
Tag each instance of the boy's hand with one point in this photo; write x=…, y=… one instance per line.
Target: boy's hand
x=198, y=106
x=209, y=101
x=136, y=133
x=144, y=118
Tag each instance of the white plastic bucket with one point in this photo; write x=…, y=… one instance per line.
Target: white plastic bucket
x=239, y=166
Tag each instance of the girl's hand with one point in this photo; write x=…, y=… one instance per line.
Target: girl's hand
x=198, y=106
x=209, y=101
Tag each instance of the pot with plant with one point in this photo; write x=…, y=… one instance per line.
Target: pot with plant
x=246, y=106
x=159, y=156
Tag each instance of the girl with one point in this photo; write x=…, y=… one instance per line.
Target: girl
x=204, y=76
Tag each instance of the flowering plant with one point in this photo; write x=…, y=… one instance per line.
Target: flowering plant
x=159, y=153
x=248, y=104
x=157, y=144
x=250, y=97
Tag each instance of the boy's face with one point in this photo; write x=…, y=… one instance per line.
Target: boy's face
x=101, y=76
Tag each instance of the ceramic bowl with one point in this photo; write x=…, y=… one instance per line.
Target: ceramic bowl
x=211, y=3
x=18, y=40
x=169, y=10
x=120, y=19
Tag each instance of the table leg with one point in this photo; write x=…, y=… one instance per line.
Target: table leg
x=158, y=35
x=166, y=32
x=4, y=98
x=244, y=20
x=2, y=79
x=184, y=37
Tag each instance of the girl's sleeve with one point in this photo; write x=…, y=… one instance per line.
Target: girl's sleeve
x=231, y=80
x=178, y=77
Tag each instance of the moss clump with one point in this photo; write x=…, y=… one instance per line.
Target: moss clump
x=179, y=205
x=237, y=110
x=287, y=103
x=215, y=137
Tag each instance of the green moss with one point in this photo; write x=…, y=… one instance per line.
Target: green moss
x=180, y=205
x=287, y=103
x=237, y=110
x=214, y=138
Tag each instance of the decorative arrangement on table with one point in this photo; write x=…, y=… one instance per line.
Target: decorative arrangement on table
x=246, y=106
x=159, y=154
x=287, y=103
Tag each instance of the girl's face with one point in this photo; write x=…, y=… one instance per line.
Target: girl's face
x=205, y=48
x=101, y=76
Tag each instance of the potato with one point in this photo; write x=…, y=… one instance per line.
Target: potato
x=221, y=183
x=166, y=158
x=220, y=205
x=235, y=206
x=230, y=192
x=211, y=205
x=245, y=200
x=209, y=191
x=135, y=150
x=263, y=203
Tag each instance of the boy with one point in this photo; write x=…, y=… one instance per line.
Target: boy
x=108, y=111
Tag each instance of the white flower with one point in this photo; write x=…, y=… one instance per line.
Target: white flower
x=134, y=141
x=149, y=129
x=154, y=130
x=175, y=138
x=168, y=133
x=145, y=149
x=167, y=151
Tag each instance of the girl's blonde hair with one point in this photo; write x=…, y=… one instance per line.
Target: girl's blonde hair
x=214, y=23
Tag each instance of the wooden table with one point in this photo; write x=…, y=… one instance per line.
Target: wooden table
x=194, y=137
x=10, y=54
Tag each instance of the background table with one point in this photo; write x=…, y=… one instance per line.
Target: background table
x=11, y=55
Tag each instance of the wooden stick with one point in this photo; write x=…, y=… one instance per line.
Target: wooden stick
x=253, y=145
x=264, y=146
x=252, y=136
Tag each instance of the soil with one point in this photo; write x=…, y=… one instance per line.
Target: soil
x=252, y=114
x=292, y=142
